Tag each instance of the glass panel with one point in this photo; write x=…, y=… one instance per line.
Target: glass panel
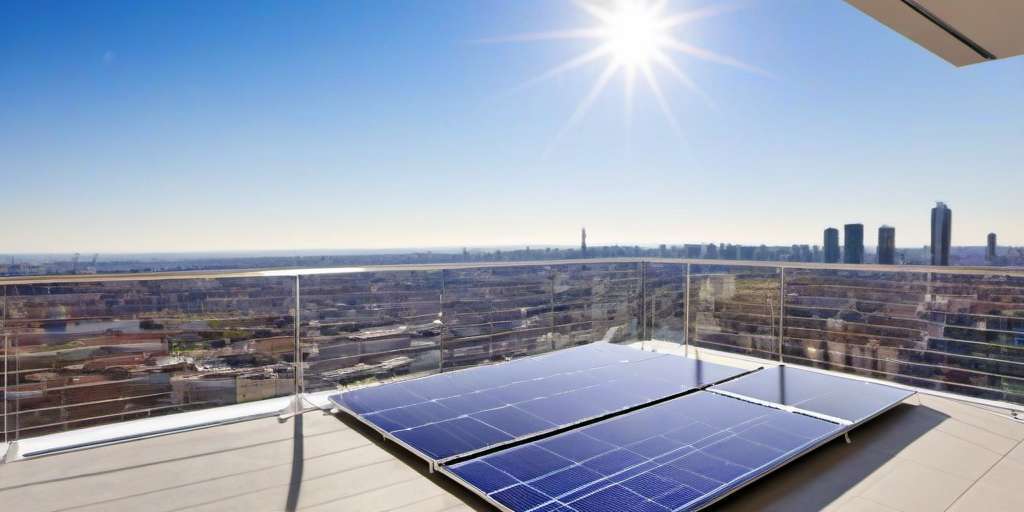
x=596, y=302
x=665, y=293
x=495, y=314
x=735, y=309
x=91, y=353
x=364, y=327
x=951, y=332
x=7, y=378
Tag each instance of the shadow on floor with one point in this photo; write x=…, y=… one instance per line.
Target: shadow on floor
x=419, y=465
x=298, y=462
x=817, y=479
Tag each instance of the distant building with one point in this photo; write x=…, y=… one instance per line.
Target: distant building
x=583, y=241
x=747, y=252
x=711, y=252
x=942, y=222
x=693, y=250
x=887, y=245
x=730, y=252
x=805, y=253
x=794, y=252
x=853, y=243
x=831, y=245
x=990, y=249
x=816, y=253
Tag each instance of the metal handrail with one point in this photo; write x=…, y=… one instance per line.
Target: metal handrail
x=306, y=271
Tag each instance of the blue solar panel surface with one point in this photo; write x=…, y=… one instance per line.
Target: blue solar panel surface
x=456, y=413
x=838, y=397
x=678, y=455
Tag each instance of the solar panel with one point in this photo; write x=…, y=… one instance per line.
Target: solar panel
x=453, y=414
x=850, y=400
x=681, y=454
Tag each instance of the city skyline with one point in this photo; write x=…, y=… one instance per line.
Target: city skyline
x=300, y=131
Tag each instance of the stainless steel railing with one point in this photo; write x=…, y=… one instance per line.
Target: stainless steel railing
x=90, y=349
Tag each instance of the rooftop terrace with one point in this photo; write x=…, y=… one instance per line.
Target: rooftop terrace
x=192, y=369
x=930, y=453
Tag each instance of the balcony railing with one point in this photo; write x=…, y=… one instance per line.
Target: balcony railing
x=80, y=351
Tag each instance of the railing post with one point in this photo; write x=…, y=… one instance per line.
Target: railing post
x=298, y=402
x=686, y=312
x=300, y=374
x=444, y=321
x=551, y=305
x=782, y=306
x=642, y=269
x=7, y=350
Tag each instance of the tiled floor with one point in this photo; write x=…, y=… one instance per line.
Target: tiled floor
x=930, y=454
x=252, y=466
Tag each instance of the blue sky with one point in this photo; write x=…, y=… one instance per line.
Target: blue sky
x=197, y=126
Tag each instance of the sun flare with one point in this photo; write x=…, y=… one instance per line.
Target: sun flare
x=636, y=39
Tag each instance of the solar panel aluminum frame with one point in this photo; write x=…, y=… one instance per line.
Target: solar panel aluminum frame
x=781, y=407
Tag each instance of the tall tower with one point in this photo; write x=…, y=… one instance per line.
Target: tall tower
x=583, y=241
x=942, y=222
x=990, y=249
x=853, y=243
x=887, y=245
x=831, y=245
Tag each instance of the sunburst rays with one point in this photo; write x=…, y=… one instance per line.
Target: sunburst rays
x=637, y=39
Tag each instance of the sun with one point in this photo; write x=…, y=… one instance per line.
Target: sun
x=634, y=33
x=635, y=39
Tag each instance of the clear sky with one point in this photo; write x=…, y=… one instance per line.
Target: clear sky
x=196, y=126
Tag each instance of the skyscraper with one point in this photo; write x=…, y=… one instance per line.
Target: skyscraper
x=583, y=241
x=942, y=222
x=853, y=243
x=831, y=245
x=887, y=245
x=990, y=250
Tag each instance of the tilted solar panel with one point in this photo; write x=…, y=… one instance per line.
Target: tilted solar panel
x=457, y=413
x=677, y=455
x=837, y=397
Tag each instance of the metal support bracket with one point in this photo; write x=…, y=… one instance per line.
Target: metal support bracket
x=847, y=436
x=12, y=453
x=299, y=404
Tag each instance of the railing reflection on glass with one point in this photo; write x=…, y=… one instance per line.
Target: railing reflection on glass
x=84, y=353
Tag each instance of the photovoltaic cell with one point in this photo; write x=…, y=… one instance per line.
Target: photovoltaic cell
x=847, y=399
x=676, y=455
x=451, y=414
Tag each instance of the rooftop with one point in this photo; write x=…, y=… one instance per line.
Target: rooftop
x=930, y=453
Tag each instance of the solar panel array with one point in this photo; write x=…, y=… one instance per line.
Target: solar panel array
x=456, y=413
x=850, y=400
x=677, y=455
x=607, y=427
